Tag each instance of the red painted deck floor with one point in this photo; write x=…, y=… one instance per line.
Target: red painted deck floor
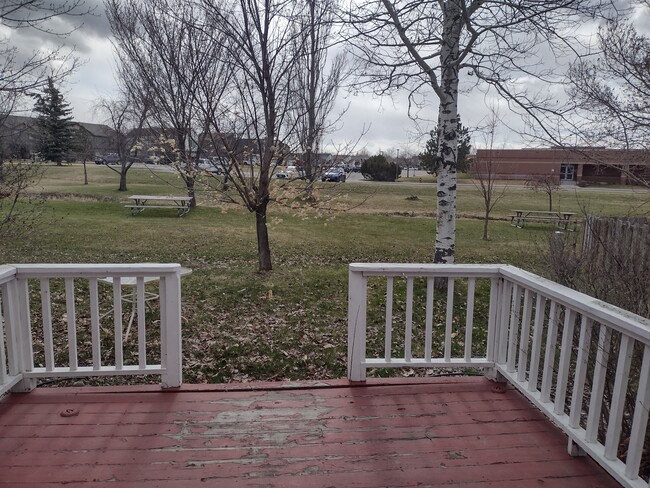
x=396, y=433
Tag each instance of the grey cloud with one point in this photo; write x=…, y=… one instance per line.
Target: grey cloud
x=68, y=30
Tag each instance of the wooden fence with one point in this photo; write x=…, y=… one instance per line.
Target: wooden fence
x=616, y=260
x=608, y=239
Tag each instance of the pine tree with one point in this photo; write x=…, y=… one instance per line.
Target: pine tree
x=54, y=124
x=429, y=158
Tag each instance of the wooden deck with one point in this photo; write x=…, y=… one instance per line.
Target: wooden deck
x=388, y=433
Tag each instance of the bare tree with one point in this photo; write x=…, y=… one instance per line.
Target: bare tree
x=612, y=99
x=126, y=118
x=486, y=172
x=424, y=47
x=549, y=184
x=19, y=210
x=163, y=55
x=317, y=82
x=21, y=74
x=82, y=147
x=260, y=48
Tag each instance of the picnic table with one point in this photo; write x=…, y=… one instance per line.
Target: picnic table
x=180, y=203
x=563, y=220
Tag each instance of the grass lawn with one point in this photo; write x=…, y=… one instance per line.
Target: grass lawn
x=290, y=323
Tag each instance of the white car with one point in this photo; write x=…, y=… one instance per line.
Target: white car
x=209, y=166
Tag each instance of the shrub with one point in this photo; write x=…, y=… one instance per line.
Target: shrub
x=378, y=168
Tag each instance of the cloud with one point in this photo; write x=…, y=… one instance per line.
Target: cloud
x=385, y=120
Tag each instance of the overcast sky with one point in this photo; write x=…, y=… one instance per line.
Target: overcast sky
x=385, y=121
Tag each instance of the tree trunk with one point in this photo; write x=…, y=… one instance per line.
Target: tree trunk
x=122, y=181
x=85, y=173
x=485, y=225
x=263, y=245
x=189, y=183
x=550, y=201
x=448, y=137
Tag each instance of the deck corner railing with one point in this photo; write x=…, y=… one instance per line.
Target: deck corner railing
x=67, y=321
x=576, y=358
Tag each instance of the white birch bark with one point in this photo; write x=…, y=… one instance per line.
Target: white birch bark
x=445, y=245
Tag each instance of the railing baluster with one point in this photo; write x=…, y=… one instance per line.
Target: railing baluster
x=72, y=323
x=142, y=333
x=586, y=327
x=428, y=334
x=94, y=324
x=388, y=341
x=493, y=313
x=117, y=320
x=598, y=383
x=469, y=319
x=525, y=333
x=408, y=333
x=503, y=321
x=549, y=354
x=449, y=317
x=536, y=348
x=622, y=374
x=3, y=356
x=513, y=329
x=565, y=361
x=640, y=419
x=48, y=341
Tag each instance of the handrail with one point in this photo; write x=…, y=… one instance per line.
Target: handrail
x=69, y=312
x=560, y=348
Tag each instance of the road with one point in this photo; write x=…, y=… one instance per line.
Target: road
x=358, y=178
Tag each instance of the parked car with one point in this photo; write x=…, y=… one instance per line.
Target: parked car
x=290, y=172
x=110, y=158
x=209, y=166
x=334, y=174
x=296, y=172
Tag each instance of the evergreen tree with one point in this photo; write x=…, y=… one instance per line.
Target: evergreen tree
x=56, y=137
x=429, y=158
x=378, y=168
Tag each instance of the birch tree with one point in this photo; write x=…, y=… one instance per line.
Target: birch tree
x=424, y=47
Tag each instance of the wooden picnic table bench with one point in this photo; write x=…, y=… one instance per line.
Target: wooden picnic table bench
x=180, y=203
x=563, y=220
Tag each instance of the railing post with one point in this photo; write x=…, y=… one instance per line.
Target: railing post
x=357, y=299
x=170, y=330
x=494, y=327
x=19, y=323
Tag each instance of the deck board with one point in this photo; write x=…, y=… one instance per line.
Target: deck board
x=387, y=433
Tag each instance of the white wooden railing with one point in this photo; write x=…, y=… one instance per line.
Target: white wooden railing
x=66, y=321
x=576, y=358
